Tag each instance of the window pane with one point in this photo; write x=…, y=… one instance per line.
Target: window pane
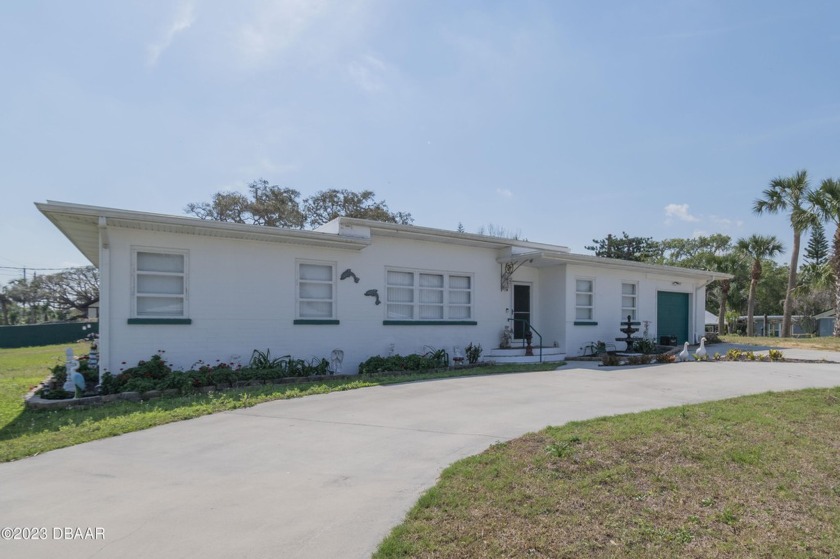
x=459, y=312
x=583, y=300
x=431, y=280
x=316, y=309
x=628, y=302
x=401, y=312
x=431, y=296
x=583, y=314
x=318, y=272
x=169, y=285
x=315, y=290
x=400, y=278
x=628, y=288
x=154, y=262
x=459, y=297
x=400, y=295
x=431, y=311
x=584, y=286
x=459, y=282
x=160, y=306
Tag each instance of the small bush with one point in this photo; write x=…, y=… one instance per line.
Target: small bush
x=610, y=360
x=775, y=355
x=734, y=354
x=412, y=362
x=645, y=345
x=473, y=353
x=666, y=358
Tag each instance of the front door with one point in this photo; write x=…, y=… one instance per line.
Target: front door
x=521, y=309
x=672, y=315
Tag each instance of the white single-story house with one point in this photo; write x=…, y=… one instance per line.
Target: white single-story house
x=207, y=290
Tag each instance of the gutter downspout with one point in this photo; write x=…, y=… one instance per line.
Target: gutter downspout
x=104, y=298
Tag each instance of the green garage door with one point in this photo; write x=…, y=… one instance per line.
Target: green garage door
x=672, y=315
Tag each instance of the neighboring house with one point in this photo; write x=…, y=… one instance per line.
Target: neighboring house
x=825, y=323
x=771, y=325
x=207, y=290
x=711, y=322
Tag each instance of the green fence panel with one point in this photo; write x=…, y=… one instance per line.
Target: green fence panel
x=28, y=335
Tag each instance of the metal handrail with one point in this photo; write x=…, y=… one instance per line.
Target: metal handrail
x=531, y=328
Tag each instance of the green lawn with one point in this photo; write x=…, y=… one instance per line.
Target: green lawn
x=826, y=343
x=25, y=432
x=756, y=476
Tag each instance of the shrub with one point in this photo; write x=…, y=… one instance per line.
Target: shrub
x=666, y=358
x=734, y=354
x=775, y=355
x=610, y=360
x=645, y=345
x=412, y=362
x=260, y=360
x=139, y=384
x=154, y=368
x=473, y=353
x=55, y=394
x=439, y=355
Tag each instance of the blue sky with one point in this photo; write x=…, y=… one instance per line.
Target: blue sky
x=564, y=121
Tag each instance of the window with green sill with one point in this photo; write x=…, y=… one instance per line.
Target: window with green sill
x=421, y=296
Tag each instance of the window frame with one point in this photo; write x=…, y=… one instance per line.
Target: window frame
x=591, y=306
x=419, y=298
x=333, y=283
x=635, y=307
x=150, y=318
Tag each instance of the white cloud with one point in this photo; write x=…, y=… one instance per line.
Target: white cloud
x=726, y=223
x=680, y=212
x=276, y=26
x=183, y=20
x=368, y=73
x=504, y=193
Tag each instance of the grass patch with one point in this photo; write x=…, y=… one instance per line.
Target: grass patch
x=825, y=343
x=756, y=476
x=25, y=432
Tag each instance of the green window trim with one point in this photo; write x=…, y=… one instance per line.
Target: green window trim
x=315, y=321
x=160, y=321
x=429, y=323
x=585, y=323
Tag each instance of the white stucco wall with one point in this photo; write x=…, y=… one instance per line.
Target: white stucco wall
x=607, y=312
x=241, y=297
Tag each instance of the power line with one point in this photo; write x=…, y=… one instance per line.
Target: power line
x=24, y=268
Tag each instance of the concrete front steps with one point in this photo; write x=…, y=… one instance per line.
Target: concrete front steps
x=517, y=355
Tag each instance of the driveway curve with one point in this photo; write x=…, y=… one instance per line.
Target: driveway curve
x=324, y=476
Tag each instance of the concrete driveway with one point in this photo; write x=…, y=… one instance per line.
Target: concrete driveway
x=325, y=476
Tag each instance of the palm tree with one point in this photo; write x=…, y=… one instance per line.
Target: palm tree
x=826, y=203
x=788, y=193
x=756, y=248
x=727, y=263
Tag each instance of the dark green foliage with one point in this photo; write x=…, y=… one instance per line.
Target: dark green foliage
x=816, y=251
x=637, y=249
x=155, y=374
x=412, y=362
x=645, y=345
x=473, y=353
x=273, y=206
x=260, y=360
